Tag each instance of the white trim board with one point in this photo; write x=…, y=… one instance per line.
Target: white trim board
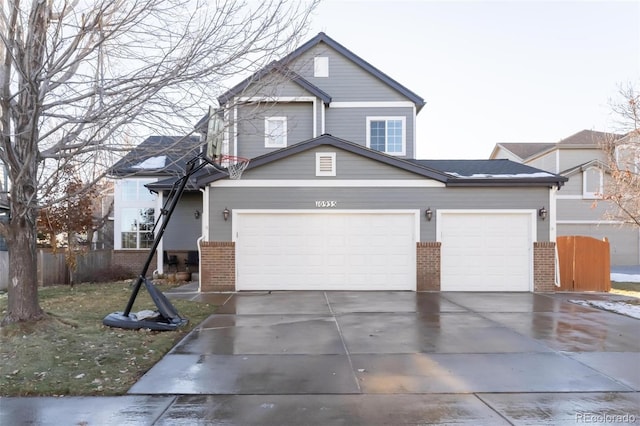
x=373, y=104
x=329, y=183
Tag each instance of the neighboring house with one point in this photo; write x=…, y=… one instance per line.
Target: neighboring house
x=334, y=199
x=158, y=159
x=580, y=207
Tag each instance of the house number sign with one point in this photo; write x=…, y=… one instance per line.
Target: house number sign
x=326, y=204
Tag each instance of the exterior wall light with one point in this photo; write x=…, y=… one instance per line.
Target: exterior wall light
x=542, y=213
x=196, y=214
x=225, y=213
x=428, y=214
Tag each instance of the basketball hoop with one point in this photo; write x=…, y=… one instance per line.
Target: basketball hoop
x=235, y=165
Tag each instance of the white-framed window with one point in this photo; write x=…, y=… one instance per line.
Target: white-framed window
x=387, y=134
x=321, y=66
x=134, y=214
x=325, y=163
x=275, y=132
x=592, y=183
x=136, y=227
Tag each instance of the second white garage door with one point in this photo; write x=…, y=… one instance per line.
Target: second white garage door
x=486, y=250
x=325, y=251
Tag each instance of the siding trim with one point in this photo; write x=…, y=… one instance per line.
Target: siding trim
x=373, y=104
x=320, y=183
x=274, y=99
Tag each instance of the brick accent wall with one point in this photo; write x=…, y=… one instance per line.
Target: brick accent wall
x=217, y=266
x=428, y=266
x=544, y=266
x=134, y=260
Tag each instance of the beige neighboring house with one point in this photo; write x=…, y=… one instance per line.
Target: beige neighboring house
x=580, y=209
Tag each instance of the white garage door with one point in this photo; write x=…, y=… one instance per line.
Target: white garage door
x=325, y=251
x=486, y=251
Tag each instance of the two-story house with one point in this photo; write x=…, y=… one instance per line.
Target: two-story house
x=581, y=209
x=334, y=199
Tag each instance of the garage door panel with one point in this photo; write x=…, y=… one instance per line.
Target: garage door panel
x=326, y=251
x=486, y=251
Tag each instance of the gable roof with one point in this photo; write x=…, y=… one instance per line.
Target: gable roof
x=279, y=68
x=584, y=166
x=587, y=137
x=330, y=140
x=583, y=139
x=524, y=150
x=449, y=172
x=323, y=38
x=158, y=156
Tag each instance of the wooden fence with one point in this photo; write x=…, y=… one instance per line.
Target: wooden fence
x=53, y=270
x=584, y=264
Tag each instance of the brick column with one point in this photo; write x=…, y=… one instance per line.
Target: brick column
x=544, y=267
x=217, y=266
x=428, y=265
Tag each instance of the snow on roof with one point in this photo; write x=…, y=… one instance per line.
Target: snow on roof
x=502, y=176
x=152, y=163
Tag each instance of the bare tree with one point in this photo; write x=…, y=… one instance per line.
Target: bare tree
x=79, y=77
x=623, y=155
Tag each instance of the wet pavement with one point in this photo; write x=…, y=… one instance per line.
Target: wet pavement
x=361, y=358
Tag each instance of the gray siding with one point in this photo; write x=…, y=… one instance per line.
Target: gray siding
x=573, y=186
x=506, y=154
x=375, y=198
x=574, y=157
x=348, y=166
x=351, y=124
x=347, y=82
x=582, y=209
x=624, y=241
x=251, y=131
x=184, y=229
x=274, y=85
x=545, y=162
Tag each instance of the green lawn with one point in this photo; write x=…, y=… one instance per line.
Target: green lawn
x=72, y=353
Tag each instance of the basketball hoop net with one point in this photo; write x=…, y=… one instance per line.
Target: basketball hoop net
x=235, y=165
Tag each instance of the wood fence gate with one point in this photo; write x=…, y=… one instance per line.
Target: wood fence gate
x=584, y=264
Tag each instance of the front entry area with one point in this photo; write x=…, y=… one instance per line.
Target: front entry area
x=325, y=250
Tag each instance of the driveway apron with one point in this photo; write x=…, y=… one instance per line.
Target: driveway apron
x=400, y=358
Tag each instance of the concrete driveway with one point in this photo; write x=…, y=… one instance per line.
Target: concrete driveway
x=332, y=358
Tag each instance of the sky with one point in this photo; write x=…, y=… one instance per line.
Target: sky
x=495, y=71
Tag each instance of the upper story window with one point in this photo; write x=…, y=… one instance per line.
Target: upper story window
x=387, y=134
x=592, y=183
x=275, y=129
x=321, y=66
x=133, y=190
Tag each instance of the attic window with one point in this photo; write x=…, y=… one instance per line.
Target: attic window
x=325, y=163
x=321, y=66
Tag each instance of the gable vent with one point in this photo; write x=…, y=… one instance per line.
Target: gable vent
x=325, y=163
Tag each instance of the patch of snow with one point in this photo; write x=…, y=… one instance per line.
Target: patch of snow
x=625, y=278
x=619, y=307
x=502, y=176
x=152, y=163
